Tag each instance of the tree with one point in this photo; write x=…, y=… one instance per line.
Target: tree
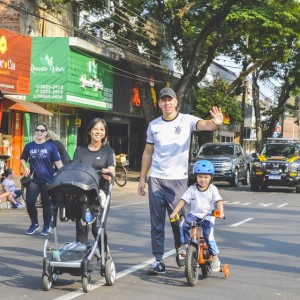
x=196, y=32
x=216, y=94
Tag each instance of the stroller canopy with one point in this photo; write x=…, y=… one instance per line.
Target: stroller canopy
x=80, y=175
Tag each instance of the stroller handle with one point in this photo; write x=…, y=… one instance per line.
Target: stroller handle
x=109, y=174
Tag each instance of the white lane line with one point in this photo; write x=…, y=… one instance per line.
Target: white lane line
x=265, y=204
x=128, y=204
x=242, y=222
x=119, y=275
x=282, y=205
x=246, y=203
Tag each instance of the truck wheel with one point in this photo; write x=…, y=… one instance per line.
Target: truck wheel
x=235, y=179
x=254, y=187
x=246, y=181
x=298, y=188
x=264, y=187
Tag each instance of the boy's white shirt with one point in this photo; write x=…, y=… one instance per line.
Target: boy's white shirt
x=202, y=202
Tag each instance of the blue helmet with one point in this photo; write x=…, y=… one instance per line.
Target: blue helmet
x=203, y=167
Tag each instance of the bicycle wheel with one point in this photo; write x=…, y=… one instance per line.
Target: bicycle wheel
x=121, y=176
x=191, y=266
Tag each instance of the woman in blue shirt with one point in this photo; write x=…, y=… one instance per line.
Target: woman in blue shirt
x=41, y=155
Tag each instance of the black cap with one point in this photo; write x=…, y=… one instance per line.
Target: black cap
x=166, y=92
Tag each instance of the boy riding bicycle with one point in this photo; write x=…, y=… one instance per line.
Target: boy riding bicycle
x=204, y=197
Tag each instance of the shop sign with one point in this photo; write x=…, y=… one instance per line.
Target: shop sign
x=90, y=81
x=49, y=76
x=69, y=75
x=15, y=55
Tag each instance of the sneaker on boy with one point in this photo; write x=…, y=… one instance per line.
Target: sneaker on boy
x=215, y=264
x=32, y=229
x=158, y=267
x=45, y=230
x=182, y=250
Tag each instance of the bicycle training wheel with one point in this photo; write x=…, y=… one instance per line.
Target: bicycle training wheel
x=121, y=176
x=191, y=266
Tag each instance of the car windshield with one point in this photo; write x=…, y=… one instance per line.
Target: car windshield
x=284, y=150
x=216, y=150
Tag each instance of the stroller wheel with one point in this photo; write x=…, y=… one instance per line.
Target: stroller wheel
x=86, y=283
x=47, y=283
x=110, y=272
x=54, y=277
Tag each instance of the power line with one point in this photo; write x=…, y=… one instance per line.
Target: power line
x=137, y=61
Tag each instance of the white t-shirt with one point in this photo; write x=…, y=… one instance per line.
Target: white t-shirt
x=202, y=202
x=171, y=140
x=10, y=184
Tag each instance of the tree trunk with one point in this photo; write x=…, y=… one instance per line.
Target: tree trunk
x=255, y=96
x=198, y=49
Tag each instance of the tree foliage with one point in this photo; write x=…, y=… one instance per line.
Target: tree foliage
x=216, y=94
x=263, y=35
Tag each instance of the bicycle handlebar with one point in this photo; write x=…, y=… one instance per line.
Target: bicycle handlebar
x=215, y=213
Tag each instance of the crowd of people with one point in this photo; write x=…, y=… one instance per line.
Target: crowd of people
x=164, y=168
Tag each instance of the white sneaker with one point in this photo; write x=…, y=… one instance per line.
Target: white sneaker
x=182, y=250
x=215, y=264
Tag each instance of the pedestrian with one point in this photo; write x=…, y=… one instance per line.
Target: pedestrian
x=203, y=197
x=96, y=153
x=41, y=156
x=166, y=155
x=52, y=137
x=8, y=185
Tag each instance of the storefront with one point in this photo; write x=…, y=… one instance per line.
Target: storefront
x=68, y=83
x=15, y=57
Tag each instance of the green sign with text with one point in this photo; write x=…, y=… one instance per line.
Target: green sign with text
x=64, y=75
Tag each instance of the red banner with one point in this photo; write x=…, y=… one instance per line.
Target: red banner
x=15, y=58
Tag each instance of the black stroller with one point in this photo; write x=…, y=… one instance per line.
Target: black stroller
x=74, y=196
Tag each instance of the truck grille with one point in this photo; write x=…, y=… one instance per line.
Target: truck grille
x=217, y=164
x=275, y=166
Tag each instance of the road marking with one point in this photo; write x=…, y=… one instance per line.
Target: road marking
x=127, y=204
x=282, y=205
x=119, y=275
x=247, y=203
x=242, y=222
x=265, y=204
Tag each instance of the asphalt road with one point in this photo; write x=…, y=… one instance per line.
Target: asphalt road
x=259, y=239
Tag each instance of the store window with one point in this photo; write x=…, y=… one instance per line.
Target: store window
x=226, y=139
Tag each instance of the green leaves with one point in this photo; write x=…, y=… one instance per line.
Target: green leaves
x=216, y=94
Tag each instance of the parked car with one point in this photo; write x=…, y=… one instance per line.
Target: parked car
x=278, y=164
x=230, y=162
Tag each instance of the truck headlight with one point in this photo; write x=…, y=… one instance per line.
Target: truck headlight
x=295, y=166
x=226, y=164
x=257, y=164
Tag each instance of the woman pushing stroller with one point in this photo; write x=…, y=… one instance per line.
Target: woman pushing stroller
x=96, y=153
x=78, y=192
